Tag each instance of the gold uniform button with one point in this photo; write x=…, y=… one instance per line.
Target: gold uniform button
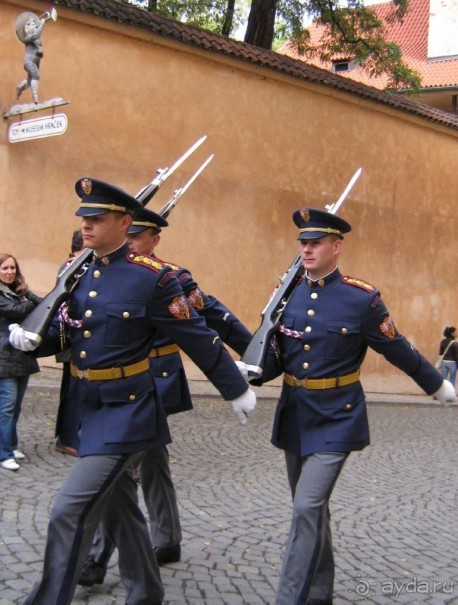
x=305, y=366
x=306, y=347
x=83, y=354
x=311, y=312
x=86, y=334
x=314, y=295
x=126, y=314
x=92, y=293
x=344, y=331
x=165, y=374
x=88, y=313
x=96, y=273
x=308, y=329
x=132, y=397
x=348, y=406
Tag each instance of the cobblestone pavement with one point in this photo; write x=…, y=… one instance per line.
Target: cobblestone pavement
x=394, y=508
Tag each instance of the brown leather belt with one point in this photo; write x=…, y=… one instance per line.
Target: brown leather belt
x=111, y=373
x=321, y=383
x=161, y=351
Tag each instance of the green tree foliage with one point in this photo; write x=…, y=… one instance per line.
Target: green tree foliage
x=356, y=31
x=218, y=16
x=350, y=31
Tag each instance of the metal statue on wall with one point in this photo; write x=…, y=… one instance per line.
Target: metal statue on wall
x=29, y=28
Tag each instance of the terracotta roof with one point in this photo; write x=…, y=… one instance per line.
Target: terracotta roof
x=412, y=33
x=210, y=42
x=412, y=36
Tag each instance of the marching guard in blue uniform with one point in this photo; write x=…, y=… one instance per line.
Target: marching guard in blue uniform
x=320, y=343
x=172, y=385
x=113, y=317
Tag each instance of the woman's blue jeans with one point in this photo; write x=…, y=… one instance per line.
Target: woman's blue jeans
x=12, y=392
x=448, y=371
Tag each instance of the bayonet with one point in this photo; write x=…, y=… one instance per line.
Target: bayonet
x=170, y=205
x=145, y=194
x=332, y=208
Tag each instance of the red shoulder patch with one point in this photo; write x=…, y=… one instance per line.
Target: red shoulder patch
x=195, y=299
x=387, y=327
x=179, y=307
x=359, y=283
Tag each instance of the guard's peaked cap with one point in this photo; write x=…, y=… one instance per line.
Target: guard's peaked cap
x=146, y=219
x=98, y=197
x=314, y=223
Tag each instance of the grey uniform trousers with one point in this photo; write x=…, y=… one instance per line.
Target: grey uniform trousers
x=161, y=503
x=92, y=487
x=308, y=565
x=160, y=498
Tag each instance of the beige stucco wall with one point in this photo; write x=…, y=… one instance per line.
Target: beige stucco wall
x=137, y=101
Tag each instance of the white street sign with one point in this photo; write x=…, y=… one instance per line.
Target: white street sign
x=38, y=128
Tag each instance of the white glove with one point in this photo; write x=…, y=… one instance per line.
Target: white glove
x=446, y=394
x=244, y=405
x=243, y=368
x=22, y=340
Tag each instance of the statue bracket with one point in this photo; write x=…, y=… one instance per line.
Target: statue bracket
x=20, y=109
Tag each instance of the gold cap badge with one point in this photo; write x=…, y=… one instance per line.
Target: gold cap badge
x=86, y=186
x=305, y=214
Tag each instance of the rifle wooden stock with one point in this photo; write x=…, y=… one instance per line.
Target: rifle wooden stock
x=255, y=353
x=39, y=319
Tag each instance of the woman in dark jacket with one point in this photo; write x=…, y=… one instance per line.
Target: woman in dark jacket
x=449, y=345
x=16, y=301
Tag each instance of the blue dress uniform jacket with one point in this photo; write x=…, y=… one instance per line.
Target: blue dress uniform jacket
x=168, y=369
x=324, y=332
x=124, y=302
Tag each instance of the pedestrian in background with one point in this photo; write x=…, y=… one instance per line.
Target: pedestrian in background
x=321, y=341
x=16, y=301
x=449, y=349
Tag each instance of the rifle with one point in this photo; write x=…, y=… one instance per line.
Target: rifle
x=173, y=201
x=255, y=354
x=40, y=318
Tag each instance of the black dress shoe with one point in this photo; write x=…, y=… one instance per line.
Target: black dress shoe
x=319, y=602
x=92, y=572
x=167, y=554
